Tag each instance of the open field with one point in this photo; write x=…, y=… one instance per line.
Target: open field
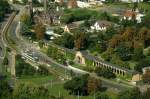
x=58, y=90
x=37, y=79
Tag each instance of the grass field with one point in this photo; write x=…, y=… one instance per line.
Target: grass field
x=58, y=90
x=37, y=79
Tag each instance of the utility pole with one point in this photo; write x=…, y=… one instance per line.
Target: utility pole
x=51, y=84
x=59, y=93
x=78, y=95
x=65, y=72
x=94, y=94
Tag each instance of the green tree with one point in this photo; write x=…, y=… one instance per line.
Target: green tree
x=136, y=94
x=142, y=63
x=107, y=55
x=105, y=73
x=93, y=85
x=67, y=40
x=130, y=94
x=5, y=89
x=105, y=16
x=77, y=85
x=25, y=1
x=138, y=54
x=58, y=31
x=41, y=44
x=116, y=60
x=4, y=8
x=123, y=51
x=25, y=19
x=81, y=41
x=35, y=2
x=5, y=61
x=110, y=32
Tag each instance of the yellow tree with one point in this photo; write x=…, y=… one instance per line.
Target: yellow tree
x=80, y=41
x=128, y=35
x=25, y=19
x=115, y=40
x=93, y=84
x=144, y=33
x=40, y=31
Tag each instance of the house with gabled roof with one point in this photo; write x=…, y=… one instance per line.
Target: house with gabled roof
x=72, y=26
x=101, y=25
x=133, y=15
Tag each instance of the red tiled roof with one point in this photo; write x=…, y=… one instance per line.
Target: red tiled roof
x=129, y=13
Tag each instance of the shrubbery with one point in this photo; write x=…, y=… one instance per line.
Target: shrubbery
x=83, y=85
x=4, y=8
x=105, y=73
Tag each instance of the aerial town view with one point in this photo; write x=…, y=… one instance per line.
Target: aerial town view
x=74, y=49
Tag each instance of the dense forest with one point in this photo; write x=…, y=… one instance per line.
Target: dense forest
x=4, y=8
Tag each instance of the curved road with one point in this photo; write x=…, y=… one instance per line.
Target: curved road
x=21, y=45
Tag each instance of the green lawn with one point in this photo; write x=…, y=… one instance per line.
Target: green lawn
x=145, y=5
x=132, y=64
x=37, y=79
x=78, y=66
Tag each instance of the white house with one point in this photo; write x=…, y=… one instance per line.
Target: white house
x=101, y=25
x=83, y=4
x=129, y=15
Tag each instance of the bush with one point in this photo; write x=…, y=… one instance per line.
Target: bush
x=58, y=31
x=105, y=73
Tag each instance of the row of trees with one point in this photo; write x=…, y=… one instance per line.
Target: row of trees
x=4, y=8
x=27, y=25
x=79, y=41
x=83, y=85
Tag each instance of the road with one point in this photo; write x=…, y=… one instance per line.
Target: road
x=21, y=46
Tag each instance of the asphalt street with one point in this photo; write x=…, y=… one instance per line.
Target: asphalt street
x=24, y=45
